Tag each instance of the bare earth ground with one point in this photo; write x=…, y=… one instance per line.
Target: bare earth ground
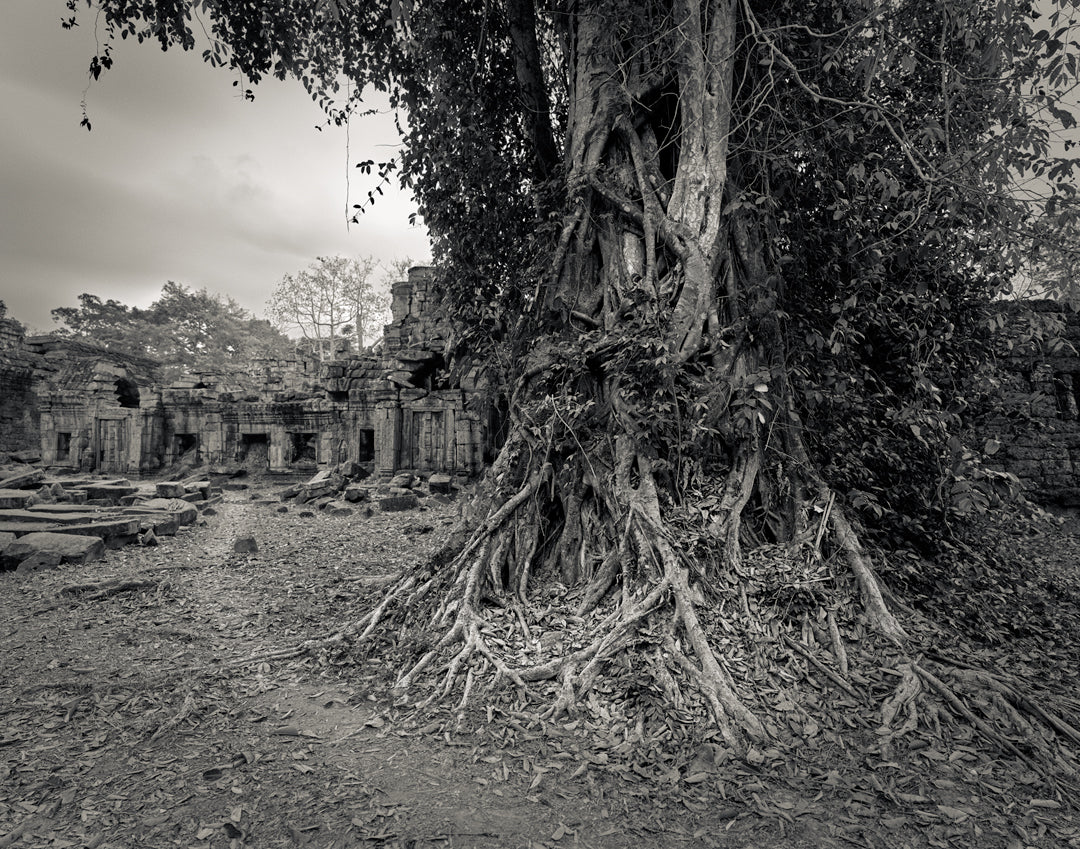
x=129, y=718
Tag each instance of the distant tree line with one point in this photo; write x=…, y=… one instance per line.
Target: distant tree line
x=186, y=330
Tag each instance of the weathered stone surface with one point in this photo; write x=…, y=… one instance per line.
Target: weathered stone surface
x=245, y=545
x=442, y=484
x=149, y=539
x=71, y=548
x=338, y=508
x=14, y=498
x=170, y=489
x=398, y=503
x=6, y=539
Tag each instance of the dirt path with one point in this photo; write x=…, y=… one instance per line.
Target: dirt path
x=126, y=720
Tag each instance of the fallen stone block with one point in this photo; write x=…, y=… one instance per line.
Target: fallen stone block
x=71, y=548
x=338, y=508
x=149, y=539
x=402, y=480
x=398, y=503
x=6, y=539
x=246, y=545
x=356, y=493
x=170, y=489
x=441, y=484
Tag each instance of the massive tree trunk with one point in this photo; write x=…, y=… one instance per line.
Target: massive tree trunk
x=653, y=410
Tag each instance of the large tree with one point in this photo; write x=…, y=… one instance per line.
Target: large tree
x=726, y=256
x=333, y=298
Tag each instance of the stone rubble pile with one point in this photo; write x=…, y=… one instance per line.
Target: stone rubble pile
x=46, y=521
x=343, y=490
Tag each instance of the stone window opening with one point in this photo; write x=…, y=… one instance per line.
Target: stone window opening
x=127, y=393
x=63, y=446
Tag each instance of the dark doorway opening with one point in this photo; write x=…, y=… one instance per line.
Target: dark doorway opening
x=304, y=449
x=366, y=450
x=254, y=450
x=63, y=446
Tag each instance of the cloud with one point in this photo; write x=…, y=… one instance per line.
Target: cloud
x=180, y=179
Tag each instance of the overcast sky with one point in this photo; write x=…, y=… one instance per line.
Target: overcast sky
x=180, y=179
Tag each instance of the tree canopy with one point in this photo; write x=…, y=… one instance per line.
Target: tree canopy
x=186, y=330
x=731, y=259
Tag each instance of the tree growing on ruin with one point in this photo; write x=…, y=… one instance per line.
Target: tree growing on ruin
x=730, y=257
x=333, y=298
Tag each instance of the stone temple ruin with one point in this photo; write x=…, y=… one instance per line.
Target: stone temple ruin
x=78, y=407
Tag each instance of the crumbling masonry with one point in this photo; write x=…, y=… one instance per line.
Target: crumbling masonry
x=406, y=407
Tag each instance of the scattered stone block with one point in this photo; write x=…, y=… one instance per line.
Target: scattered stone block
x=399, y=503
x=149, y=539
x=246, y=545
x=170, y=489
x=71, y=548
x=402, y=480
x=338, y=508
x=306, y=514
x=356, y=493
x=441, y=484
x=6, y=539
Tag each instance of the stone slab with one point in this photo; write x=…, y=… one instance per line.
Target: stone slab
x=72, y=548
x=22, y=480
x=102, y=529
x=14, y=498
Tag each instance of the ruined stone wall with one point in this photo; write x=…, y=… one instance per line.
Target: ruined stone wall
x=1037, y=412
x=19, y=425
x=404, y=408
